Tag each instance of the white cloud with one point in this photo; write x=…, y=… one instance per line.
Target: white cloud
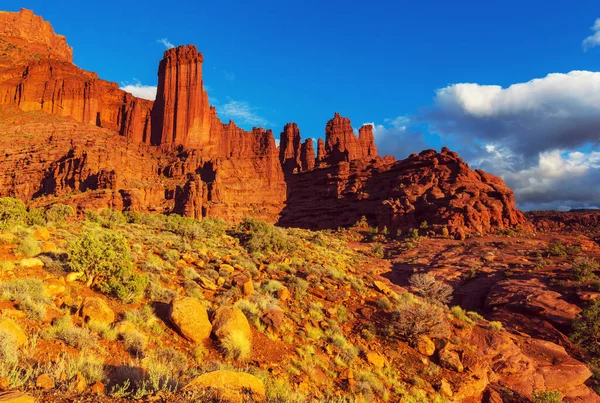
x=242, y=112
x=557, y=111
x=165, y=42
x=140, y=90
x=541, y=136
x=594, y=39
x=393, y=138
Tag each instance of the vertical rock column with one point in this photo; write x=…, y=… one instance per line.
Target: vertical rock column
x=181, y=113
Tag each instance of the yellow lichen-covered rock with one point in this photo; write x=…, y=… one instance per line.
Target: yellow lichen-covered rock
x=191, y=319
x=230, y=385
x=13, y=329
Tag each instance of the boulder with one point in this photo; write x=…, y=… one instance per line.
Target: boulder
x=229, y=385
x=190, y=318
x=375, y=359
x=44, y=382
x=449, y=359
x=97, y=310
x=228, y=320
x=31, y=262
x=13, y=329
x=425, y=346
x=14, y=396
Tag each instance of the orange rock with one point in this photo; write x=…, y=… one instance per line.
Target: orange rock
x=44, y=382
x=98, y=388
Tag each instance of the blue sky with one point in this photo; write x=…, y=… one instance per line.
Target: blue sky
x=274, y=62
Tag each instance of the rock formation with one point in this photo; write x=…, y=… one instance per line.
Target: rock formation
x=175, y=154
x=438, y=189
x=289, y=148
x=342, y=145
x=181, y=114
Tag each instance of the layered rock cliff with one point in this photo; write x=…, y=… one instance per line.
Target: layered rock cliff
x=436, y=190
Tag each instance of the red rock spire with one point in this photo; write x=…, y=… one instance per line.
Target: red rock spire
x=181, y=113
x=341, y=144
x=289, y=147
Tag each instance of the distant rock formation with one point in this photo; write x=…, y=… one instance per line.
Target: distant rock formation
x=342, y=145
x=436, y=190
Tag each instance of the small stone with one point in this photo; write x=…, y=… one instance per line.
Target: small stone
x=384, y=288
x=54, y=287
x=207, y=284
x=228, y=268
x=248, y=288
x=4, y=383
x=283, y=294
x=44, y=382
x=229, y=385
x=425, y=346
x=73, y=276
x=13, y=314
x=445, y=388
x=375, y=359
x=77, y=383
x=41, y=234
x=30, y=263
x=15, y=396
x=98, y=388
x=191, y=319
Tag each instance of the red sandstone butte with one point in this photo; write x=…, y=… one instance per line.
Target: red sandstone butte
x=341, y=144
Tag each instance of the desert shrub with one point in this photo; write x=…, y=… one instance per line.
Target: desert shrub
x=36, y=216
x=586, y=328
x=495, y=325
x=258, y=236
x=384, y=303
x=236, y=346
x=156, y=292
x=557, y=249
x=12, y=212
x=29, y=247
x=105, y=260
x=272, y=286
x=170, y=357
x=134, y=341
x=100, y=255
x=413, y=235
x=429, y=288
x=414, y=320
x=102, y=329
x=583, y=268
x=29, y=294
x=460, y=314
x=546, y=396
x=153, y=264
x=64, y=329
x=145, y=319
x=249, y=308
x=9, y=350
x=170, y=256
x=59, y=213
x=89, y=365
x=346, y=350
x=369, y=385
x=192, y=229
x=111, y=218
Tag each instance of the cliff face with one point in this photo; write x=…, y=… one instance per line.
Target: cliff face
x=36, y=73
x=27, y=36
x=438, y=189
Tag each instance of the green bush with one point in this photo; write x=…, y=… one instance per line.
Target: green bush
x=12, y=212
x=104, y=258
x=584, y=268
x=30, y=247
x=64, y=329
x=586, y=328
x=100, y=256
x=546, y=396
x=258, y=236
x=59, y=213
